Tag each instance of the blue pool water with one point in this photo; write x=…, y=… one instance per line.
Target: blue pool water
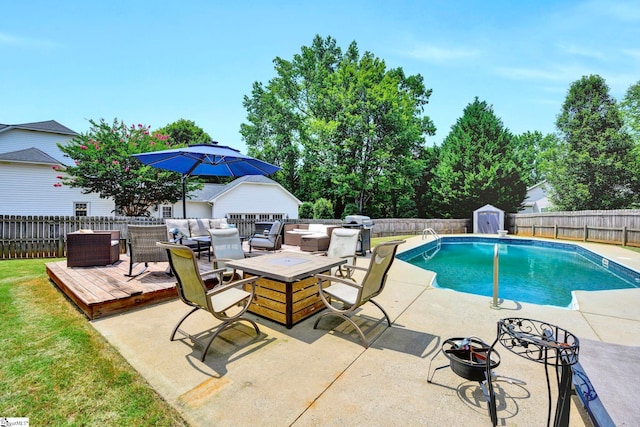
x=530, y=271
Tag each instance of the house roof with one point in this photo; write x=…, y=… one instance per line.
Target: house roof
x=47, y=126
x=29, y=155
x=210, y=192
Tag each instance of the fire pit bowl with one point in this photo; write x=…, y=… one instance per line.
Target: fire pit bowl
x=468, y=357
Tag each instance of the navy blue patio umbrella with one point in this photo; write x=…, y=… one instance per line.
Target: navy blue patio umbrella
x=206, y=160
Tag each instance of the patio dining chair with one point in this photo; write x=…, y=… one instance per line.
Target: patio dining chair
x=350, y=294
x=227, y=302
x=270, y=240
x=142, y=246
x=226, y=245
x=343, y=244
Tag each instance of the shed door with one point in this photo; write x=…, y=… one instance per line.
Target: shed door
x=489, y=222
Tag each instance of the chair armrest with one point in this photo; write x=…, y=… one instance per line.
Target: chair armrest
x=354, y=267
x=323, y=277
x=217, y=271
x=237, y=283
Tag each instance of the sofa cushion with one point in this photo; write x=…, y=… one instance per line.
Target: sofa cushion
x=182, y=225
x=218, y=223
x=199, y=227
x=318, y=228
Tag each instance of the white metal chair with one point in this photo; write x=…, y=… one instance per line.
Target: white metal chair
x=226, y=245
x=343, y=244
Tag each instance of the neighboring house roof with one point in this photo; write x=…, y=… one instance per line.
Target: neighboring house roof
x=206, y=193
x=254, y=179
x=540, y=184
x=46, y=126
x=210, y=192
x=29, y=155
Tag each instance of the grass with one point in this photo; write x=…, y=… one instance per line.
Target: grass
x=56, y=369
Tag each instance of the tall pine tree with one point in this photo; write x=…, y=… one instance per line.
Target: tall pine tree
x=478, y=165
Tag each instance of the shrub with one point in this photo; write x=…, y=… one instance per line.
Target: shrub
x=305, y=210
x=323, y=209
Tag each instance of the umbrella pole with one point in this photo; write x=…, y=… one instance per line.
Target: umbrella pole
x=184, y=197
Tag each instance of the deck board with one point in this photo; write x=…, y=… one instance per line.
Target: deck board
x=104, y=291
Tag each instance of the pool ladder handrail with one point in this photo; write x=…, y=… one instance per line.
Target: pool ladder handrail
x=496, y=261
x=432, y=232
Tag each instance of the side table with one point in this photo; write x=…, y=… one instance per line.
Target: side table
x=543, y=343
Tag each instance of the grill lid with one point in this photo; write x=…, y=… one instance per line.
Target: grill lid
x=358, y=220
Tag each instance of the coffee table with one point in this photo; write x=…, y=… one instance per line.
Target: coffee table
x=286, y=291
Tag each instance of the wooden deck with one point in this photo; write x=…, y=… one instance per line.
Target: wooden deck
x=104, y=291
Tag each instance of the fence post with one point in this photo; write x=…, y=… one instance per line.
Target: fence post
x=555, y=231
x=533, y=230
x=586, y=233
x=624, y=236
x=60, y=251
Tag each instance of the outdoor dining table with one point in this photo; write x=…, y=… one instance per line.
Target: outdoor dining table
x=286, y=291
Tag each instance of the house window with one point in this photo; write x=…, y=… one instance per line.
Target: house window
x=81, y=208
x=167, y=212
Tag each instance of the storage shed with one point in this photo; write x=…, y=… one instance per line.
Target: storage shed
x=488, y=220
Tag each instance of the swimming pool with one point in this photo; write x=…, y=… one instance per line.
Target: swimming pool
x=532, y=271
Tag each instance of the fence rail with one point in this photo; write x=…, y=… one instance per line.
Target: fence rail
x=618, y=227
x=45, y=236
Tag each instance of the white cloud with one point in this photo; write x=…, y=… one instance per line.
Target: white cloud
x=556, y=74
x=581, y=51
x=440, y=55
x=634, y=53
x=626, y=11
x=10, y=40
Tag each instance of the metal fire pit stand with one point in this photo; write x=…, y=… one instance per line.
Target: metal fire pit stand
x=469, y=359
x=542, y=343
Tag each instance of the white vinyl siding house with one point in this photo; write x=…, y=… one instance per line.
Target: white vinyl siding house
x=28, y=153
x=536, y=200
x=257, y=198
x=248, y=197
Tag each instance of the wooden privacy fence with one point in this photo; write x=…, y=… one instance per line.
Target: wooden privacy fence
x=618, y=227
x=45, y=236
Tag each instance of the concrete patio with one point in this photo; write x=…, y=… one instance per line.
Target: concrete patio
x=307, y=377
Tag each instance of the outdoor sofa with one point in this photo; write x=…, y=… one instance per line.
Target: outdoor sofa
x=294, y=232
x=184, y=230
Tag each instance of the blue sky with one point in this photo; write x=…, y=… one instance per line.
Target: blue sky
x=154, y=62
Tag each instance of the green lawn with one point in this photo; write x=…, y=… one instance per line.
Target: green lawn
x=56, y=369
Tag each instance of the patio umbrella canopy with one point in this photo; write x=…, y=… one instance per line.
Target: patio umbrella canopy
x=206, y=160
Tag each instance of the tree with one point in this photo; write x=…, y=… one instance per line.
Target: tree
x=342, y=126
x=184, y=132
x=426, y=205
x=104, y=165
x=530, y=148
x=630, y=107
x=593, y=164
x=478, y=165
